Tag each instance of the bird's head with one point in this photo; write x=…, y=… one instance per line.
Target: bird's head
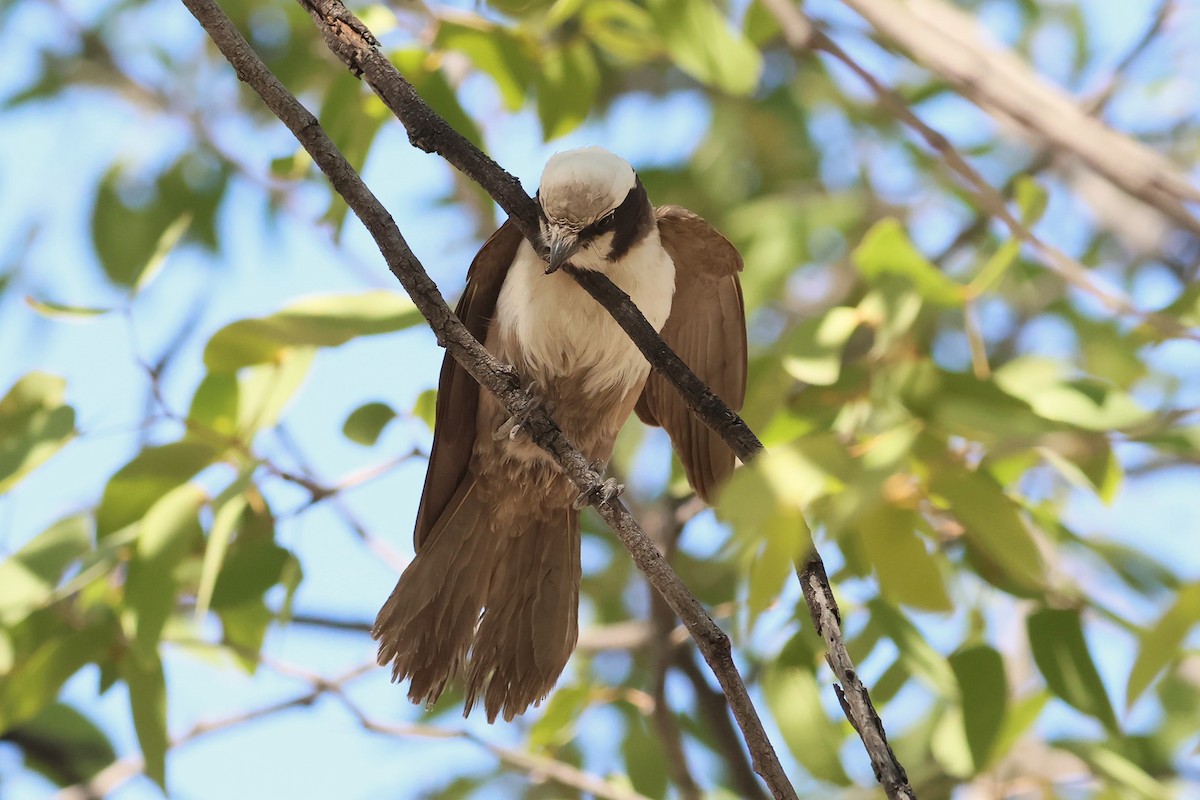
x=593, y=209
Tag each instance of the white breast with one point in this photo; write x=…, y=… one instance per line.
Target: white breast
x=563, y=331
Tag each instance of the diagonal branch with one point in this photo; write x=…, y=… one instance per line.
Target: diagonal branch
x=497, y=378
x=351, y=41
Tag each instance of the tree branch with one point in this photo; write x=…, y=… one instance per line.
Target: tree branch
x=497, y=378
x=354, y=44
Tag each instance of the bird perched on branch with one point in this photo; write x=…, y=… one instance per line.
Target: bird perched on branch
x=493, y=592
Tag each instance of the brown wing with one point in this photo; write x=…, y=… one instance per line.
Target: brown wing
x=458, y=393
x=707, y=329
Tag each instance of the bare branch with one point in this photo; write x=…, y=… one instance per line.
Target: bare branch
x=802, y=35
x=950, y=43
x=340, y=27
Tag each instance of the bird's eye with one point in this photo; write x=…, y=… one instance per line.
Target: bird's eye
x=606, y=221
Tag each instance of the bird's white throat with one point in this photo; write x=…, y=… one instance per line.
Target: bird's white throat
x=561, y=330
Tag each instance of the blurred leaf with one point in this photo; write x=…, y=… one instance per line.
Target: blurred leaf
x=995, y=268
x=983, y=691
x=908, y=573
x=148, y=704
x=1061, y=654
x=1084, y=402
x=168, y=530
x=34, y=681
x=702, y=44
x=426, y=407
x=1162, y=643
x=62, y=744
x=1031, y=199
x=794, y=699
x=760, y=24
x=351, y=115
x=366, y=422
x=920, y=659
x=556, y=726
x=34, y=425
x=813, y=353
x=621, y=28
x=1115, y=768
x=492, y=49
x=29, y=576
x=566, y=87
x=227, y=510
x=1018, y=719
x=264, y=391
x=886, y=249
x=162, y=248
x=146, y=479
x=322, y=321
x=215, y=404
x=990, y=520
x=62, y=311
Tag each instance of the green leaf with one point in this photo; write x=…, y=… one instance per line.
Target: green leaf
x=991, y=521
x=169, y=530
x=54, y=310
x=366, y=422
x=1163, y=642
x=34, y=425
x=995, y=268
x=1018, y=719
x=1031, y=199
x=323, y=321
x=1084, y=402
x=215, y=405
x=794, y=699
x=352, y=116
x=556, y=726
x=492, y=49
x=227, y=511
x=1061, y=654
x=29, y=577
x=886, y=249
x=566, y=87
x=1115, y=768
x=62, y=744
x=918, y=657
x=425, y=408
x=813, y=353
x=162, y=248
x=146, y=479
x=265, y=391
x=983, y=693
x=622, y=29
x=148, y=704
x=703, y=44
x=35, y=681
x=908, y=573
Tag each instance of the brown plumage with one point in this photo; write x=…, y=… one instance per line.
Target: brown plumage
x=493, y=591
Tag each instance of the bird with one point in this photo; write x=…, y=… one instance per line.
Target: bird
x=492, y=593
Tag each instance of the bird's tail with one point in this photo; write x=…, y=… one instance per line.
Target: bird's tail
x=531, y=622
x=502, y=605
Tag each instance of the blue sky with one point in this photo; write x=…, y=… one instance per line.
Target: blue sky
x=320, y=752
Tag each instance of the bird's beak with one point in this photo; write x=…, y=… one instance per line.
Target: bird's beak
x=562, y=245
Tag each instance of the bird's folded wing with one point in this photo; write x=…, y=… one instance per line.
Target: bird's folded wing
x=707, y=329
x=458, y=393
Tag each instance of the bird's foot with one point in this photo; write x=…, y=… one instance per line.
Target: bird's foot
x=513, y=428
x=604, y=492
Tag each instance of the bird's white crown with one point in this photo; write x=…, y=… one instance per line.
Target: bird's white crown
x=581, y=185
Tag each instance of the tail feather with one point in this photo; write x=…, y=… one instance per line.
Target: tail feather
x=501, y=605
x=530, y=626
x=427, y=624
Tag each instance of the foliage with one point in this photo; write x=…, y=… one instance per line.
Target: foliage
x=944, y=416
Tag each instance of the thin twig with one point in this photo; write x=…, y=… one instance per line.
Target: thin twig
x=497, y=378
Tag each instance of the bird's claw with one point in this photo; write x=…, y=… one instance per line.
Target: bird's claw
x=513, y=428
x=604, y=492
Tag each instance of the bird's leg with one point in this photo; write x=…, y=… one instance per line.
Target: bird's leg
x=513, y=427
x=606, y=491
